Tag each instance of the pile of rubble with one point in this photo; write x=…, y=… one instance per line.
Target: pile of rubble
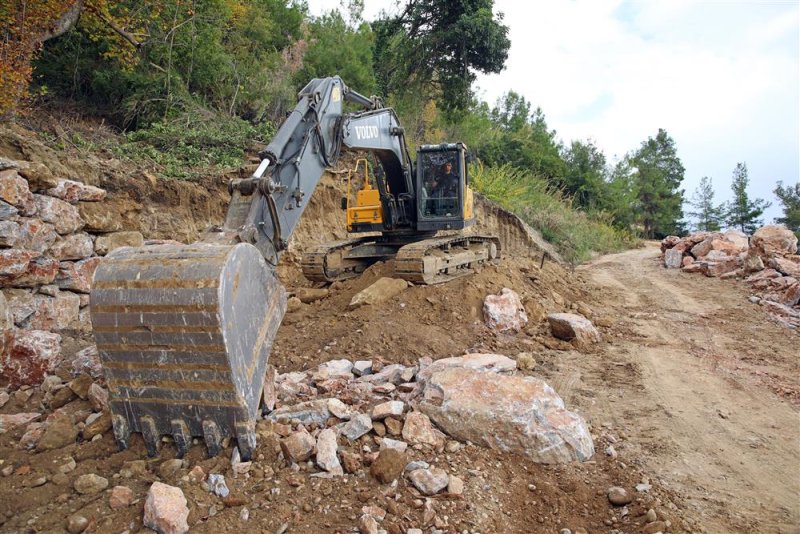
x=52, y=234
x=767, y=261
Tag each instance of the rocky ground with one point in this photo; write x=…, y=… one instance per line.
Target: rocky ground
x=679, y=396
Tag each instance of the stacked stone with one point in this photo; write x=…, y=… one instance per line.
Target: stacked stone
x=52, y=234
x=768, y=261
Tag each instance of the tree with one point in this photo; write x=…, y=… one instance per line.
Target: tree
x=741, y=212
x=790, y=198
x=708, y=215
x=659, y=173
x=336, y=48
x=436, y=46
x=585, y=175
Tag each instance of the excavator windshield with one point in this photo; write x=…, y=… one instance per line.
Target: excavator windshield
x=441, y=184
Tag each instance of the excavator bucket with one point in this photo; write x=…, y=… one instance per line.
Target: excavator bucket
x=184, y=333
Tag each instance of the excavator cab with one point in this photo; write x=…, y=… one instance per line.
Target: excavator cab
x=444, y=199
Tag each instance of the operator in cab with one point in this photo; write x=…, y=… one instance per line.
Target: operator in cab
x=444, y=190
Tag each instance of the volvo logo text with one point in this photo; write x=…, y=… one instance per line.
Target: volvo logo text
x=366, y=132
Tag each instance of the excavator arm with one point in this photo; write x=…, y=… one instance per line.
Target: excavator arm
x=184, y=332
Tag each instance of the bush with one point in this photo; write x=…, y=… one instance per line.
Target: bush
x=577, y=235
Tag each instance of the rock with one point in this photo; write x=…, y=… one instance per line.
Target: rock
x=14, y=420
x=121, y=497
x=87, y=361
x=36, y=235
x=384, y=389
x=308, y=412
x=33, y=433
x=496, y=363
x=785, y=267
x=504, y=312
x=525, y=361
x=62, y=215
x=340, y=409
x=38, y=175
x=101, y=216
x=298, y=446
x=28, y=356
x=58, y=432
x=217, y=485
x=55, y=313
x=15, y=271
x=418, y=430
x=77, y=276
x=389, y=443
x=618, y=496
x=650, y=516
x=720, y=267
x=773, y=240
x=357, y=426
x=170, y=468
x=391, y=373
x=379, y=428
x=307, y=295
x=109, y=242
x=59, y=397
x=270, y=394
x=9, y=233
x=362, y=367
x=429, y=481
x=686, y=261
x=293, y=304
x=393, y=426
x=98, y=396
x=7, y=211
x=77, y=524
x=753, y=263
x=69, y=466
x=673, y=258
x=326, y=452
x=569, y=327
x=351, y=462
x=333, y=369
x=387, y=409
x=72, y=192
x=98, y=426
x=14, y=190
x=196, y=474
x=81, y=385
x=388, y=466
x=455, y=485
x=654, y=527
x=165, y=509
x=72, y=247
x=90, y=484
x=367, y=525
x=509, y=413
x=380, y=291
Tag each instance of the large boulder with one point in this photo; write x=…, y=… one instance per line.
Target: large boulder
x=14, y=190
x=573, y=327
x=63, y=215
x=483, y=362
x=786, y=267
x=73, y=247
x=506, y=412
x=773, y=240
x=504, y=311
x=28, y=356
x=25, y=268
x=108, y=242
x=165, y=509
x=78, y=275
x=673, y=258
x=35, y=234
x=381, y=291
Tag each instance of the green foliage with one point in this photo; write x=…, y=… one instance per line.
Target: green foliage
x=656, y=181
x=790, y=198
x=577, y=235
x=585, y=175
x=741, y=212
x=336, y=48
x=188, y=149
x=707, y=214
x=436, y=46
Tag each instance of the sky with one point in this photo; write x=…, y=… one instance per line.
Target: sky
x=722, y=77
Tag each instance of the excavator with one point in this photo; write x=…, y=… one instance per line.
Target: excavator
x=184, y=332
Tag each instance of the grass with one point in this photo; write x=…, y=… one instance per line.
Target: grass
x=577, y=235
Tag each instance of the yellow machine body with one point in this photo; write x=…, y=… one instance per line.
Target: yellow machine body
x=367, y=207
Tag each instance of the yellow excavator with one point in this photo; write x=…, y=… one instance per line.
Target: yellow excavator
x=185, y=331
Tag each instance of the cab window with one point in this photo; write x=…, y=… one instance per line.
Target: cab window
x=440, y=191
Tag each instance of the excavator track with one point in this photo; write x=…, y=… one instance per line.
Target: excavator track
x=441, y=259
x=330, y=262
x=184, y=335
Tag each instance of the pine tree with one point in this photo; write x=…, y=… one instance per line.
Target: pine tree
x=708, y=215
x=741, y=212
x=656, y=181
x=790, y=198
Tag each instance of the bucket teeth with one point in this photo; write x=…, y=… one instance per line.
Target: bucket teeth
x=246, y=439
x=152, y=439
x=122, y=432
x=180, y=433
x=213, y=437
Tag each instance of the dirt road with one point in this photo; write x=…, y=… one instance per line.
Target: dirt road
x=704, y=385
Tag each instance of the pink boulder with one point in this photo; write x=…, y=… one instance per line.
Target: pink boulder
x=504, y=312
